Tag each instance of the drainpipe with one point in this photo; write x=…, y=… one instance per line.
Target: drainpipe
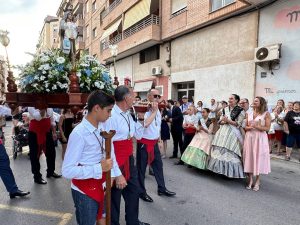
x=257, y=42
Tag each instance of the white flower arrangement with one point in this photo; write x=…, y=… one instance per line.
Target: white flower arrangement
x=93, y=75
x=47, y=73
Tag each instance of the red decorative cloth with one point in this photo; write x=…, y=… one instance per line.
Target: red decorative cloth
x=40, y=128
x=94, y=189
x=123, y=150
x=149, y=147
x=190, y=130
x=1, y=141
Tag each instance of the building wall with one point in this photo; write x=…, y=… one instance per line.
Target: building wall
x=218, y=58
x=144, y=71
x=123, y=69
x=277, y=25
x=197, y=13
x=47, y=36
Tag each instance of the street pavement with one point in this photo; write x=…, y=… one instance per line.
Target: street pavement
x=203, y=198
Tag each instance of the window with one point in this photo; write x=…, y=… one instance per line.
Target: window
x=87, y=7
x=187, y=89
x=178, y=5
x=150, y=54
x=95, y=32
x=87, y=31
x=94, y=6
x=218, y=4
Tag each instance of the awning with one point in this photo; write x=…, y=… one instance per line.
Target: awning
x=143, y=86
x=178, y=5
x=111, y=29
x=137, y=13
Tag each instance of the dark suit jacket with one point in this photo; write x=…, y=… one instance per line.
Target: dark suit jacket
x=177, y=118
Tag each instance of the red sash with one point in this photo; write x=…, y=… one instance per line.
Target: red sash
x=123, y=150
x=40, y=128
x=149, y=147
x=190, y=130
x=1, y=141
x=94, y=189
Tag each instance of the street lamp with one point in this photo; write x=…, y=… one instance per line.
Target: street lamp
x=114, y=53
x=4, y=39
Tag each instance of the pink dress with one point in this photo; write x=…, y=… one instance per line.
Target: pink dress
x=256, y=154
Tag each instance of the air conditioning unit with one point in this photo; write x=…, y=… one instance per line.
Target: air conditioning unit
x=267, y=53
x=156, y=71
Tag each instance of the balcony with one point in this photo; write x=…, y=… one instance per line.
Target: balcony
x=78, y=6
x=142, y=35
x=113, y=41
x=80, y=22
x=110, y=8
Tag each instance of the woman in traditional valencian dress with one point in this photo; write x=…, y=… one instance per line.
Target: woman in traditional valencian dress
x=227, y=144
x=256, y=154
x=198, y=151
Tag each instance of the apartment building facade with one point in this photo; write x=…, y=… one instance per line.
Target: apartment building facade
x=49, y=35
x=202, y=49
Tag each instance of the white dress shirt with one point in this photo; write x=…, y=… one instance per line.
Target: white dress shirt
x=120, y=122
x=152, y=132
x=191, y=119
x=185, y=107
x=36, y=115
x=83, y=154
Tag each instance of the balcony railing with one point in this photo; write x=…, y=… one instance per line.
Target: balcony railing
x=110, y=8
x=115, y=40
x=150, y=20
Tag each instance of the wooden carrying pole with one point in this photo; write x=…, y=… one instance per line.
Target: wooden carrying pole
x=108, y=136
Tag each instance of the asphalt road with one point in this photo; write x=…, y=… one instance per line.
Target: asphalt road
x=203, y=198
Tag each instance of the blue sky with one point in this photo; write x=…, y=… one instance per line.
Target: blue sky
x=24, y=20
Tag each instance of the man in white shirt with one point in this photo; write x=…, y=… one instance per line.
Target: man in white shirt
x=126, y=128
x=185, y=105
x=213, y=108
x=85, y=161
x=148, y=151
x=6, y=173
x=42, y=134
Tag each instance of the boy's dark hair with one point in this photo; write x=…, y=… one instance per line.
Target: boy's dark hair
x=99, y=98
x=121, y=92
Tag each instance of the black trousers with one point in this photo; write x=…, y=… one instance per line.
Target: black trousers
x=131, y=198
x=35, y=160
x=6, y=173
x=157, y=166
x=177, y=140
x=187, y=140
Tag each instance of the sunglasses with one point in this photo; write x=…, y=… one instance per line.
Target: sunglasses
x=156, y=96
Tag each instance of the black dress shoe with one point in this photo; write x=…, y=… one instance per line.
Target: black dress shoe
x=40, y=181
x=166, y=193
x=146, y=197
x=19, y=193
x=179, y=163
x=54, y=175
x=173, y=157
x=142, y=223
